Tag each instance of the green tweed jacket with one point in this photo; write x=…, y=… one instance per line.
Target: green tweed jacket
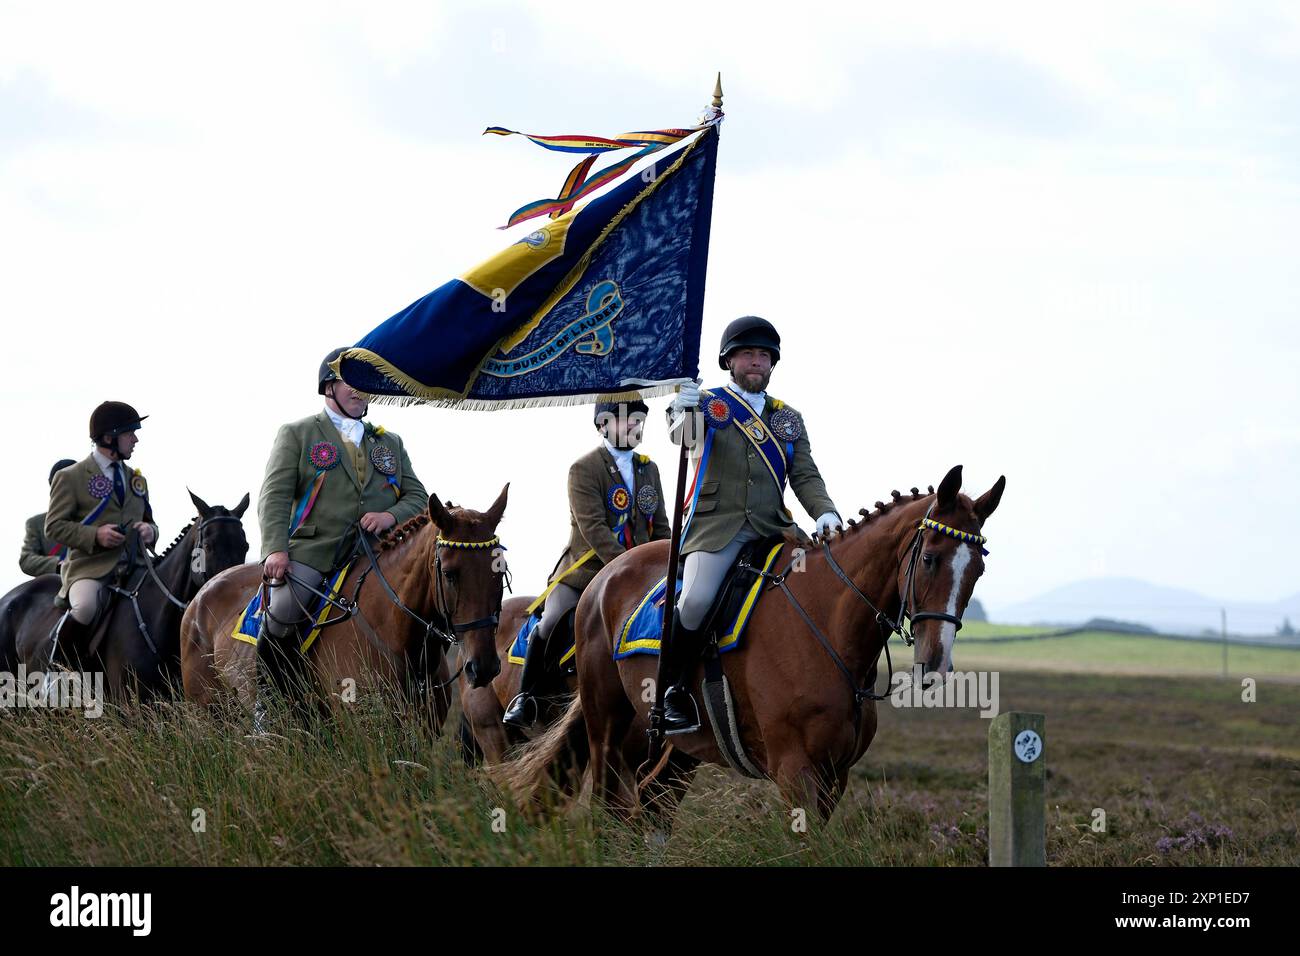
x=738, y=486
x=71, y=501
x=591, y=519
x=36, y=558
x=352, y=486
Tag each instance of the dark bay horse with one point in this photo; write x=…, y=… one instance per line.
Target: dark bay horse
x=135, y=661
x=803, y=714
x=482, y=734
x=445, y=568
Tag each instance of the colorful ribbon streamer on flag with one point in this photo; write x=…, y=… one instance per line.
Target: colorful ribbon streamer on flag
x=578, y=185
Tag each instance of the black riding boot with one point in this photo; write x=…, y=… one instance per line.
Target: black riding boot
x=681, y=716
x=265, y=678
x=68, y=639
x=278, y=666
x=522, y=712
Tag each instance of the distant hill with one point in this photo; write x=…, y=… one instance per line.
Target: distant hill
x=1165, y=609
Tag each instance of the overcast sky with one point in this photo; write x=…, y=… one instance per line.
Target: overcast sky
x=1056, y=244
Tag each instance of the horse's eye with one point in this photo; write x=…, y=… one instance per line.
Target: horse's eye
x=927, y=559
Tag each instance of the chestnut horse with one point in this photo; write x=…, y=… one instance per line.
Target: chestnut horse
x=483, y=736
x=802, y=681
x=445, y=569
x=137, y=645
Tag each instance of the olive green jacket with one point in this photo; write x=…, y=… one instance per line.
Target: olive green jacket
x=36, y=558
x=591, y=520
x=352, y=488
x=738, y=487
x=71, y=502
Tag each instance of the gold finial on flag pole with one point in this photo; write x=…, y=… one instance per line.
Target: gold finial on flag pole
x=717, y=93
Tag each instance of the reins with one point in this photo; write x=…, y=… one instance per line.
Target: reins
x=904, y=626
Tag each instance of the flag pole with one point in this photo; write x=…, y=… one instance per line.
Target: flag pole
x=656, y=731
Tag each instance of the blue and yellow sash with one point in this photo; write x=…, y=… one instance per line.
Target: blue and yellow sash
x=752, y=426
x=724, y=407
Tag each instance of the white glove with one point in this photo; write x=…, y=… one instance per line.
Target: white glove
x=688, y=396
x=827, y=521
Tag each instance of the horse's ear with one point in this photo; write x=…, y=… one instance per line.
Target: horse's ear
x=948, y=489
x=200, y=504
x=987, y=503
x=240, y=508
x=498, y=508
x=441, y=517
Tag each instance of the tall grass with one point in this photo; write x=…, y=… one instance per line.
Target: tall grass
x=1186, y=773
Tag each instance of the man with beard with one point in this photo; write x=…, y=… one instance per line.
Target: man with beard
x=615, y=503
x=754, y=444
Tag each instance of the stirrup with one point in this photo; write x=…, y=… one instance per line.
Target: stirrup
x=514, y=715
x=694, y=718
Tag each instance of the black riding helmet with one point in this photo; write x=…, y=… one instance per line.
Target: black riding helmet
x=326, y=374
x=607, y=409
x=749, y=331
x=59, y=466
x=112, y=419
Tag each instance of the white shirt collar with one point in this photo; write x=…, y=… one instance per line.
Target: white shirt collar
x=350, y=428
x=755, y=400
x=620, y=454
x=104, y=462
x=623, y=459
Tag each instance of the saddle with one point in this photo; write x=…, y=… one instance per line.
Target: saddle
x=735, y=587
x=718, y=700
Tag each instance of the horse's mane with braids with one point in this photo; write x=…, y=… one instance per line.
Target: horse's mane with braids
x=404, y=531
x=408, y=528
x=882, y=508
x=179, y=538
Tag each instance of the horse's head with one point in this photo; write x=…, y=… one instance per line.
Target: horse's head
x=939, y=572
x=219, y=540
x=468, y=574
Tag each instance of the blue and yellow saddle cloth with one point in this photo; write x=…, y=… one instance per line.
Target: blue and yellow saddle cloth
x=643, y=629
x=520, y=645
x=251, y=619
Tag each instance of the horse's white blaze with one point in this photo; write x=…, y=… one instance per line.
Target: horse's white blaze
x=961, y=561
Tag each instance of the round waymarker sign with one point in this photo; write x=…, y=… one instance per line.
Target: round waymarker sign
x=1028, y=746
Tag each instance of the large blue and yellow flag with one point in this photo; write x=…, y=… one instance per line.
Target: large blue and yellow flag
x=600, y=304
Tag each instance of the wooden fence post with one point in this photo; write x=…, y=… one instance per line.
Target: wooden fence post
x=1017, y=801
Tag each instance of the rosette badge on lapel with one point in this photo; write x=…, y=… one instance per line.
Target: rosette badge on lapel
x=385, y=462
x=324, y=455
x=716, y=411
x=647, y=499
x=99, y=486
x=785, y=425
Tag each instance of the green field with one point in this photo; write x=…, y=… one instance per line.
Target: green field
x=977, y=648
x=1186, y=772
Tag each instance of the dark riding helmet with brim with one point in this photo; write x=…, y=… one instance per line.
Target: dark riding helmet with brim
x=114, y=418
x=749, y=332
x=611, y=410
x=326, y=374
x=59, y=466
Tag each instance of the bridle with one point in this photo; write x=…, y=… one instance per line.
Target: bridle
x=889, y=626
x=198, y=549
x=148, y=559
x=442, y=624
